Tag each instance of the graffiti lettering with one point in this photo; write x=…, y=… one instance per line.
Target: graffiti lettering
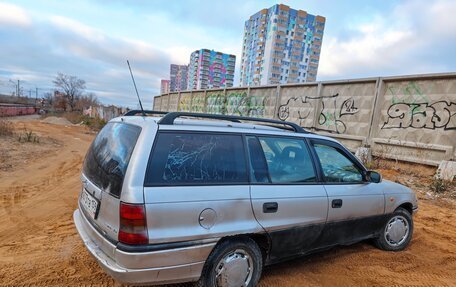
x=348, y=107
x=329, y=121
x=440, y=114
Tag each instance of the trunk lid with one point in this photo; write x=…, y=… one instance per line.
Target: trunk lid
x=103, y=173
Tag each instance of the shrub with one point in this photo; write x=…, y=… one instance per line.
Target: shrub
x=440, y=185
x=6, y=128
x=28, y=136
x=94, y=123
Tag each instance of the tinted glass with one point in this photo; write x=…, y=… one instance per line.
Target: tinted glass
x=288, y=160
x=107, y=159
x=336, y=166
x=197, y=159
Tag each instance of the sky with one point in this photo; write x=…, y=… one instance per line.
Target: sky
x=93, y=39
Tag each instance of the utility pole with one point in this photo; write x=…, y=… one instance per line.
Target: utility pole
x=18, y=87
x=36, y=95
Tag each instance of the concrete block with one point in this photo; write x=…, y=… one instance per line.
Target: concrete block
x=446, y=170
x=364, y=154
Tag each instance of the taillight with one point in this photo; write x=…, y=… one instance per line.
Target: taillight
x=133, y=227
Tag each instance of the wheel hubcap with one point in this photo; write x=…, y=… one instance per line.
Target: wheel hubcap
x=397, y=230
x=234, y=270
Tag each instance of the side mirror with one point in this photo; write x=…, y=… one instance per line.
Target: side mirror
x=373, y=176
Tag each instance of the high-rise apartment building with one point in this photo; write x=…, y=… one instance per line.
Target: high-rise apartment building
x=281, y=45
x=178, y=78
x=210, y=69
x=164, y=87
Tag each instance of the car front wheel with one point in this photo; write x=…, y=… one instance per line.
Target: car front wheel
x=397, y=232
x=234, y=262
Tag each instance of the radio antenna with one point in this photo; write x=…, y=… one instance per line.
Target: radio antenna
x=136, y=89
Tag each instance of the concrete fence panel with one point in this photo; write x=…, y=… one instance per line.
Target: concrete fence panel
x=237, y=102
x=216, y=102
x=417, y=120
x=298, y=104
x=157, y=103
x=173, y=101
x=345, y=111
x=198, y=104
x=165, y=103
x=263, y=102
x=185, y=102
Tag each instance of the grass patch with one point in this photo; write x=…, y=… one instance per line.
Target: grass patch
x=6, y=128
x=28, y=137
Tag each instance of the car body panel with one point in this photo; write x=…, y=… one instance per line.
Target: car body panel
x=299, y=219
x=230, y=206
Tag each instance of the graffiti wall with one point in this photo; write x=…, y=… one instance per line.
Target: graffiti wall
x=417, y=119
x=406, y=118
x=198, y=103
x=263, y=102
x=216, y=102
x=185, y=102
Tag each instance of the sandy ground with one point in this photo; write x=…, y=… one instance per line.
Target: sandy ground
x=39, y=245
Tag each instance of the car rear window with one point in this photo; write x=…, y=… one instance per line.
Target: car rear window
x=107, y=159
x=197, y=159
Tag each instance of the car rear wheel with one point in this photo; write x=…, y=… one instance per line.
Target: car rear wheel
x=397, y=232
x=234, y=262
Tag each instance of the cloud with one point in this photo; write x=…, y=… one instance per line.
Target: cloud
x=415, y=37
x=61, y=44
x=12, y=15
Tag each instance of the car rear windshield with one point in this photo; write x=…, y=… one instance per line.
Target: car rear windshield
x=107, y=159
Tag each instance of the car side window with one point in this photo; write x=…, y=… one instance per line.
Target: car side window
x=197, y=158
x=287, y=160
x=336, y=166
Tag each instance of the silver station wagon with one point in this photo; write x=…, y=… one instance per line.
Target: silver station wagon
x=180, y=197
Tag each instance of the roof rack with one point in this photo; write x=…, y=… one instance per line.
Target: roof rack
x=169, y=118
x=147, y=112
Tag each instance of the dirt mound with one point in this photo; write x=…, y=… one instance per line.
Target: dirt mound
x=57, y=121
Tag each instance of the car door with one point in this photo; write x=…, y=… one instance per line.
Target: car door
x=356, y=206
x=287, y=199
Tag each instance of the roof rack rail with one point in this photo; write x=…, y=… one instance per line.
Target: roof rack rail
x=147, y=112
x=169, y=118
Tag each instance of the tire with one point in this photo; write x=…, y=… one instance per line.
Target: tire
x=237, y=253
x=396, y=238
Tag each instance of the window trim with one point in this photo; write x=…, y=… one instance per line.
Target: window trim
x=149, y=161
x=346, y=153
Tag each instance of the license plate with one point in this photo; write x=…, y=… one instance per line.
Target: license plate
x=89, y=203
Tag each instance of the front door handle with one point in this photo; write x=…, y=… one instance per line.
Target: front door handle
x=270, y=207
x=336, y=203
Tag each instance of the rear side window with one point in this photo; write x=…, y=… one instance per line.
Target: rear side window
x=107, y=159
x=280, y=160
x=196, y=158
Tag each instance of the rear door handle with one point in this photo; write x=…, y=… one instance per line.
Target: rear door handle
x=336, y=203
x=270, y=207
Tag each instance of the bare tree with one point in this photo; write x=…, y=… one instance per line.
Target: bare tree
x=71, y=86
x=86, y=101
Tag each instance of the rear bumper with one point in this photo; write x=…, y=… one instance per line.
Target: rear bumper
x=131, y=274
